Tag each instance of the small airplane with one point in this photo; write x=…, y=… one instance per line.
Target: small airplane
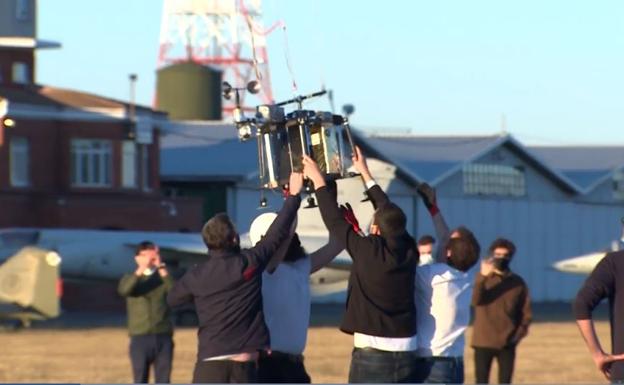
x=90, y=255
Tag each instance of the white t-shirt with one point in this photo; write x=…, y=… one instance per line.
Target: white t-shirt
x=388, y=344
x=443, y=296
x=286, y=304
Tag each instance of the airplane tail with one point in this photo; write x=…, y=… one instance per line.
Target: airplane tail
x=29, y=285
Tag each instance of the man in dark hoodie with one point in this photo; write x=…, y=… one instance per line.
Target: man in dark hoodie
x=380, y=310
x=227, y=293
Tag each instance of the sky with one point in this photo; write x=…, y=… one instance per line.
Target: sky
x=548, y=72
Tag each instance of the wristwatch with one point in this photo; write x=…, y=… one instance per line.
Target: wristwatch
x=162, y=265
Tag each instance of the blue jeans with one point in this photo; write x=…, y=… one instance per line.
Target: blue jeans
x=441, y=370
x=378, y=366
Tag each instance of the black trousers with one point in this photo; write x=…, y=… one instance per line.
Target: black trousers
x=151, y=349
x=483, y=363
x=225, y=371
x=279, y=368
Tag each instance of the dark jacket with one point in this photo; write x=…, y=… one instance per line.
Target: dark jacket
x=227, y=292
x=502, y=312
x=380, y=297
x=146, y=304
x=606, y=282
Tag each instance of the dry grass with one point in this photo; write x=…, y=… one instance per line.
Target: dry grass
x=553, y=352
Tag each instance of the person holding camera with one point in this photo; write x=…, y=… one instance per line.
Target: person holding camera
x=502, y=313
x=149, y=325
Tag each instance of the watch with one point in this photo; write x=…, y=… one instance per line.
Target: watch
x=162, y=265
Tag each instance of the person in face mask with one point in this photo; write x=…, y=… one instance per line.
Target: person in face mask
x=502, y=313
x=425, y=249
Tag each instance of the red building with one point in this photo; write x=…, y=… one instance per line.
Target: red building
x=74, y=159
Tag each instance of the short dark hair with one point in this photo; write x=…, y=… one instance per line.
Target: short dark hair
x=465, y=233
x=463, y=254
x=391, y=220
x=426, y=240
x=145, y=245
x=219, y=233
x=503, y=243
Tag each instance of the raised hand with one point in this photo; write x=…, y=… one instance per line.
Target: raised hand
x=311, y=171
x=296, y=183
x=359, y=162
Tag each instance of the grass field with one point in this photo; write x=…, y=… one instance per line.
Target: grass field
x=553, y=352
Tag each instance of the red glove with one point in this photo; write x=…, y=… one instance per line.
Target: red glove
x=349, y=216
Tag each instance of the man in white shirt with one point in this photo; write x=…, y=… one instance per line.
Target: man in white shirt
x=443, y=293
x=286, y=302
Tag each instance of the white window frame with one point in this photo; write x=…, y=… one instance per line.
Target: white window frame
x=494, y=179
x=91, y=163
x=145, y=168
x=129, y=164
x=19, y=161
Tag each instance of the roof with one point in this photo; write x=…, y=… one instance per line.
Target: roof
x=226, y=160
x=192, y=152
x=427, y=157
x=195, y=133
x=434, y=158
x=585, y=165
x=39, y=95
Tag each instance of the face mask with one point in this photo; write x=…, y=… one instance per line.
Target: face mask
x=425, y=259
x=501, y=264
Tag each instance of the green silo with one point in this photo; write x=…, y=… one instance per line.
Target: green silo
x=189, y=91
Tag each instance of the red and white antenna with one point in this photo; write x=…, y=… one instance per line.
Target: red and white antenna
x=225, y=34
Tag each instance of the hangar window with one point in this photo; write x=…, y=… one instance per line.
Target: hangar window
x=91, y=163
x=19, y=160
x=494, y=179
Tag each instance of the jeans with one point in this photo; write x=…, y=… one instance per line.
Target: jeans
x=483, y=364
x=441, y=370
x=151, y=349
x=378, y=366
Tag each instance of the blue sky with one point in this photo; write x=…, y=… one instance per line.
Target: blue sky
x=553, y=68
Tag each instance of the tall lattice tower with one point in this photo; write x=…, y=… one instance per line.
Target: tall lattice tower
x=223, y=34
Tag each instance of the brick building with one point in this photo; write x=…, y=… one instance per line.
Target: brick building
x=74, y=159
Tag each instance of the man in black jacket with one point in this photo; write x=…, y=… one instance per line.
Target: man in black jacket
x=604, y=282
x=226, y=290
x=380, y=310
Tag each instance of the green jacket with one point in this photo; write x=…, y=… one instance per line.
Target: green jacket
x=146, y=303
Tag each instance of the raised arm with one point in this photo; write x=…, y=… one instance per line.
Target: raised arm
x=335, y=222
x=180, y=294
x=428, y=195
x=325, y=254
